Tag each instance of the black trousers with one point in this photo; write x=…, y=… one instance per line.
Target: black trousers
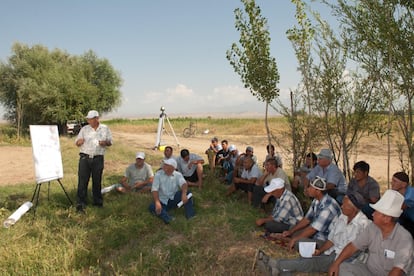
x=90, y=167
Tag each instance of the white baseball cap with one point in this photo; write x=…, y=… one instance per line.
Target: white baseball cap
x=232, y=147
x=171, y=162
x=275, y=183
x=140, y=155
x=92, y=114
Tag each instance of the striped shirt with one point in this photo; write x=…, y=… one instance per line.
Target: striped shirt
x=287, y=209
x=321, y=214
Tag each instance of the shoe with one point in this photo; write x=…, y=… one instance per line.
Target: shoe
x=263, y=262
x=80, y=209
x=171, y=219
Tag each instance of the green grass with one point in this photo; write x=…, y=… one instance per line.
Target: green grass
x=123, y=238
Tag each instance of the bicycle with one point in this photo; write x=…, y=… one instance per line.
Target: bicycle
x=191, y=130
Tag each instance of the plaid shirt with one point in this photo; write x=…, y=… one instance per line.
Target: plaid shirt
x=321, y=214
x=287, y=209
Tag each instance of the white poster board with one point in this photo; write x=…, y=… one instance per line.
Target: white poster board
x=46, y=152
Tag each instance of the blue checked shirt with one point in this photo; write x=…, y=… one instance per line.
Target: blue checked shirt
x=287, y=209
x=321, y=214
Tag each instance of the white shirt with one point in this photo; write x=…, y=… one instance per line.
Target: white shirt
x=92, y=137
x=254, y=172
x=182, y=166
x=341, y=232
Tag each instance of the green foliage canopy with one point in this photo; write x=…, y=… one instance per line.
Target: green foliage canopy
x=38, y=86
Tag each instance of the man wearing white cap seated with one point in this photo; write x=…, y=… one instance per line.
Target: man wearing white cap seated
x=168, y=189
x=138, y=176
x=389, y=245
x=287, y=210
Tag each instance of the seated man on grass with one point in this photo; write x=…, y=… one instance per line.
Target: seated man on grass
x=232, y=169
x=365, y=185
x=315, y=225
x=335, y=179
x=272, y=170
x=389, y=246
x=247, y=179
x=400, y=182
x=168, y=189
x=287, y=211
x=168, y=153
x=190, y=165
x=138, y=177
x=342, y=230
x=212, y=151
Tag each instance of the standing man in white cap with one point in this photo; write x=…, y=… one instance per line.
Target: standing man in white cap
x=287, y=210
x=168, y=189
x=93, y=139
x=138, y=176
x=389, y=245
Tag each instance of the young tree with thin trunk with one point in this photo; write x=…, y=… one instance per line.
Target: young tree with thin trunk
x=251, y=57
x=380, y=37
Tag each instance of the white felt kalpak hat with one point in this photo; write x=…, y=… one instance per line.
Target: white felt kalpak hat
x=389, y=204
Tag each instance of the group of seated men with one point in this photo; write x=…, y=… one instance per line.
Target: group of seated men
x=367, y=235
x=338, y=219
x=169, y=185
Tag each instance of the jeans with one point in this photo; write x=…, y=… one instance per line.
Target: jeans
x=172, y=204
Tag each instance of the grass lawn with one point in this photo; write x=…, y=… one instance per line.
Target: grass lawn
x=123, y=238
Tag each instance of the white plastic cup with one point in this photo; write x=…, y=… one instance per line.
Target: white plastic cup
x=306, y=249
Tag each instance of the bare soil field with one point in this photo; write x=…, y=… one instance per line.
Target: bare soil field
x=16, y=162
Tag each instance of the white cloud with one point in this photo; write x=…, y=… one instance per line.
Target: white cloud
x=183, y=99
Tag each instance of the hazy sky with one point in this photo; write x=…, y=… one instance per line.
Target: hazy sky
x=169, y=53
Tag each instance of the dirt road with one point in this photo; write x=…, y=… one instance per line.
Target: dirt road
x=16, y=162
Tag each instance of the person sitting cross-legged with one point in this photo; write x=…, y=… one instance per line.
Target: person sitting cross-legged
x=287, y=211
x=168, y=189
x=138, y=177
x=342, y=230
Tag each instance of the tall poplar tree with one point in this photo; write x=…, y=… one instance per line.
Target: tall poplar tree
x=251, y=57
